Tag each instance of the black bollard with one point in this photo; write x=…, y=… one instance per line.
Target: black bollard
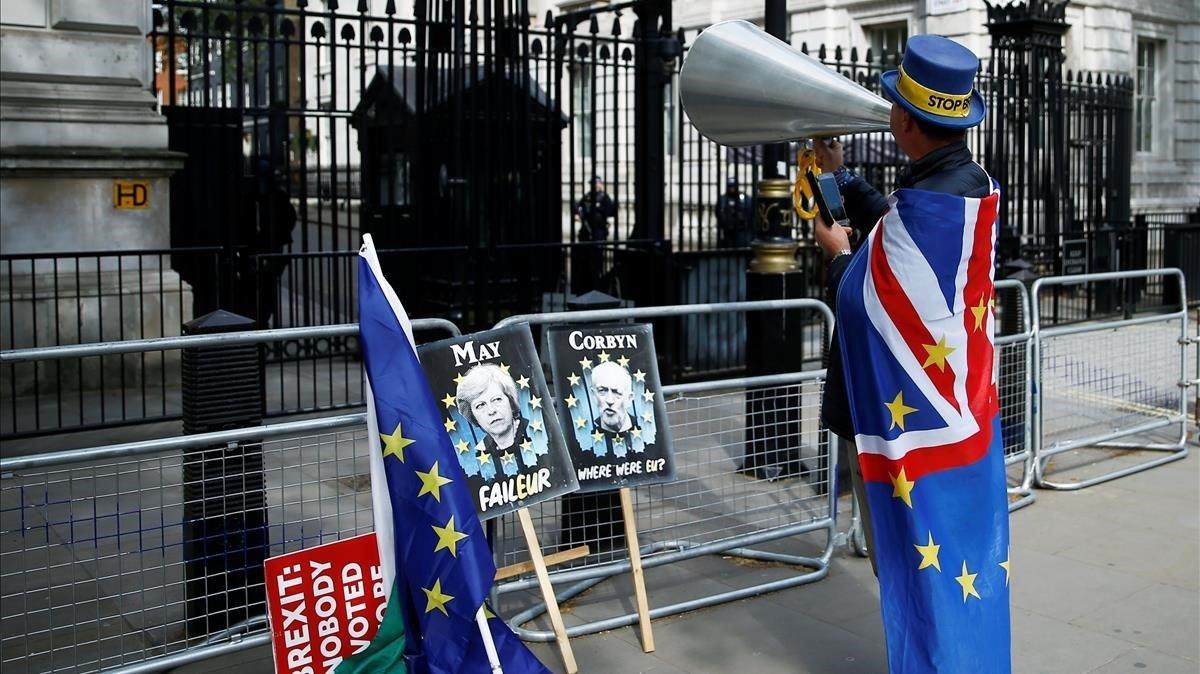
x=224, y=514
x=775, y=340
x=592, y=519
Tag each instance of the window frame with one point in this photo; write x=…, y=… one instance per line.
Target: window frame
x=1148, y=109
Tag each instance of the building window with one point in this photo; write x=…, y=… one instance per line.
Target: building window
x=887, y=36
x=1146, y=93
x=582, y=83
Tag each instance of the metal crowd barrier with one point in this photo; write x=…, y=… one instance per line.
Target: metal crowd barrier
x=711, y=508
x=92, y=568
x=1013, y=358
x=1139, y=386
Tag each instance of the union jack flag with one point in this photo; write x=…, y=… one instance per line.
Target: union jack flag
x=915, y=320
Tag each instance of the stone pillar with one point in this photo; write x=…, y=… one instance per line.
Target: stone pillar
x=84, y=166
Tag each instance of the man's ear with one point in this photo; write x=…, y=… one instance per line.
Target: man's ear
x=907, y=121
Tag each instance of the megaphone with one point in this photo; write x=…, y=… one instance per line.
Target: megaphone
x=741, y=86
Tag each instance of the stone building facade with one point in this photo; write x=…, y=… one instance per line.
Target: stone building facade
x=84, y=169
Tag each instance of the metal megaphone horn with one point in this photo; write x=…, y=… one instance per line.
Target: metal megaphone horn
x=741, y=86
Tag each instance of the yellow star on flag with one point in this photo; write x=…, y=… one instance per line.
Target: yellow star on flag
x=504, y=369
x=899, y=410
x=648, y=395
x=967, y=580
x=448, y=401
x=432, y=482
x=487, y=612
x=929, y=554
x=604, y=356
x=571, y=401
x=448, y=537
x=573, y=379
x=394, y=444
x=483, y=458
x=508, y=457
x=458, y=378
x=636, y=432
x=526, y=444
x=1007, y=566
x=462, y=446
x=619, y=440
x=536, y=425
x=450, y=424
x=580, y=422
x=902, y=488
x=640, y=376
x=623, y=361
x=937, y=354
x=980, y=311
x=436, y=599
x=535, y=403
x=586, y=364
x=648, y=416
x=523, y=381
x=597, y=436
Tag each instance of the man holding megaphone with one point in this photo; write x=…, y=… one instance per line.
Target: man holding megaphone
x=910, y=384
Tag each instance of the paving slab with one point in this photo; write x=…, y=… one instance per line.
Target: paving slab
x=1160, y=617
x=1144, y=660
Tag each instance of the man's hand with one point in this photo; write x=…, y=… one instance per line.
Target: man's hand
x=832, y=240
x=829, y=157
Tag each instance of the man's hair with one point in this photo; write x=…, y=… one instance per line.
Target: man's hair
x=474, y=383
x=939, y=133
x=617, y=370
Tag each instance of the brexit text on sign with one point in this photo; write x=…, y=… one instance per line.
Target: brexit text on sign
x=325, y=604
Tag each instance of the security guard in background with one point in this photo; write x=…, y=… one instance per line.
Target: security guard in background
x=734, y=216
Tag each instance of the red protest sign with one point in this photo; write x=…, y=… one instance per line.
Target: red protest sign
x=324, y=603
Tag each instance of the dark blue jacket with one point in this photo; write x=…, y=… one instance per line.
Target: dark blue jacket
x=948, y=169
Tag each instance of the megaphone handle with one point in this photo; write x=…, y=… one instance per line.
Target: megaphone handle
x=806, y=161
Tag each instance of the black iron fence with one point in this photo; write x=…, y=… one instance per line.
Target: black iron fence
x=1149, y=241
x=72, y=298
x=465, y=138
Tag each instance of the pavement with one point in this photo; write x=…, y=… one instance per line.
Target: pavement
x=1105, y=579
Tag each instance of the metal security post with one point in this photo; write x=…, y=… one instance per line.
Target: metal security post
x=774, y=339
x=224, y=513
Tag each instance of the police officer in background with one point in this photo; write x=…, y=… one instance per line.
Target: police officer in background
x=939, y=161
x=734, y=216
x=587, y=261
x=593, y=211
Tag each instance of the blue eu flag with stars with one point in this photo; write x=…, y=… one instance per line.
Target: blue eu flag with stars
x=432, y=544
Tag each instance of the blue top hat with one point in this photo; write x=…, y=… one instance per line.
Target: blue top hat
x=935, y=83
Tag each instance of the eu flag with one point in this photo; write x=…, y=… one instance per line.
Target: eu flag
x=915, y=320
x=430, y=538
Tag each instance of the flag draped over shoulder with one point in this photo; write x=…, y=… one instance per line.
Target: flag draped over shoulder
x=917, y=341
x=432, y=548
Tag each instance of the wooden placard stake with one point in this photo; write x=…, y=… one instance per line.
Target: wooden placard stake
x=635, y=566
x=514, y=570
x=539, y=568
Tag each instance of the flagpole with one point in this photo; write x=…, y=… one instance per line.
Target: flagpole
x=488, y=644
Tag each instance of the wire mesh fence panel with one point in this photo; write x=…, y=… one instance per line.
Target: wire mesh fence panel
x=712, y=500
x=1135, y=383
x=1012, y=373
x=100, y=566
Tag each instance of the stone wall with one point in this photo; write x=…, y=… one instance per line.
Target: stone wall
x=77, y=115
